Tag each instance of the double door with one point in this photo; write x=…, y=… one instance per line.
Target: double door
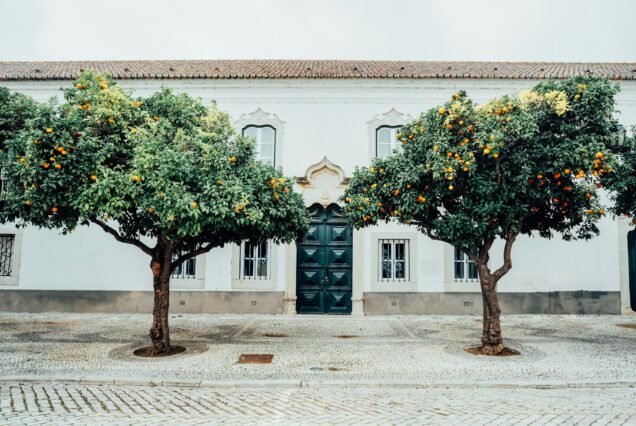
x=325, y=255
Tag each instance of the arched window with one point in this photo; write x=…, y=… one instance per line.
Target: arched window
x=386, y=140
x=265, y=136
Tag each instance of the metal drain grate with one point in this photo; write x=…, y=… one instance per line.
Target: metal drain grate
x=255, y=359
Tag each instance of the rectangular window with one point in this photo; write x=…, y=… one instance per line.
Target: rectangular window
x=7, y=243
x=255, y=261
x=265, y=137
x=394, y=260
x=465, y=269
x=386, y=141
x=187, y=270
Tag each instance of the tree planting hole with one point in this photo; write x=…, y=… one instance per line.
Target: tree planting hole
x=346, y=336
x=275, y=335
x=478, y=350
x=147, y=352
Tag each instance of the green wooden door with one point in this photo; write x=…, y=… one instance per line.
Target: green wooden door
x=631, y=261
x=323, y=277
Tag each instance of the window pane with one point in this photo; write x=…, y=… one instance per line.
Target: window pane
x=250, y=132
x=262, y=268
x=386, y=269
x=458, y=254
x=267, y=135
x=191, y=267
x=384, y=135
x=263, y=249
x=386, y=251
x=400, y=270
x=399, y=251
x=266, y=151
x=472, y=270
x=459, y=270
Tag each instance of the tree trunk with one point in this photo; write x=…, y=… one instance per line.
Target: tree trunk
x=491, y=339
x=159, y=331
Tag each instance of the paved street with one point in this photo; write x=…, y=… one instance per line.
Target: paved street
x=38, y=404
x=72, y=368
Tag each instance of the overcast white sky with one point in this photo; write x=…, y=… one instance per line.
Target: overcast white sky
x=503, y=30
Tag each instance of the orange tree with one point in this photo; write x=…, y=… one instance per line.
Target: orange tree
x=164, y=174
x=623, y=184
x=471, y=174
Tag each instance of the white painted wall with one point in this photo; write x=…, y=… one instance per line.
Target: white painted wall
x=323, y=117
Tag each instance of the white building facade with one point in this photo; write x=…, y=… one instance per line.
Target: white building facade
x=318, y=127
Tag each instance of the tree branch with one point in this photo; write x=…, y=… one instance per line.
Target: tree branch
x=201, y=250
x=122, y=239
x=510, y=239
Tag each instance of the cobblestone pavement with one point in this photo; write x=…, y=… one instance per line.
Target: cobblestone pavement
x=414, y=350
x=107, y=404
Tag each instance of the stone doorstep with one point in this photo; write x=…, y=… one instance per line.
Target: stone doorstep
x=251, y=384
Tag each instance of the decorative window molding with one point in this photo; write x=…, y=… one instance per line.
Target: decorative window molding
x=324, y=183
x=190, y=274
x=10, y=255
x=391, y=119
x=254, y=266
x=386, y=262
x=260, y=119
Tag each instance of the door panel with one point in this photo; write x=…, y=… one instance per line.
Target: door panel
x=324, y=263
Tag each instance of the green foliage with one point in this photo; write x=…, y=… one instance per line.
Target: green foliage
x=165, y=167
x=623, y=183
x=468, y=174
x=15, y=110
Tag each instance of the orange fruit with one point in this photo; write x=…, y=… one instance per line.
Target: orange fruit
x=49, y=130
x=195, y=205
x=93, y=178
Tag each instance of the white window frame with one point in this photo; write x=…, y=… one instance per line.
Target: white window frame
x=187, y=282
x=394, y=143
x=256, y=257
x=16, y=256
x=393, y=243
x=259, y=142
x=409, y=283
x=450, y=284
x=466, y=263
x=241, y=281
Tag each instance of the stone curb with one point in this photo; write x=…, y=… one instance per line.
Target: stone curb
x=99, y=381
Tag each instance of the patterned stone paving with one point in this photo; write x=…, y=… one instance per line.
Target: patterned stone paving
x=107, y=404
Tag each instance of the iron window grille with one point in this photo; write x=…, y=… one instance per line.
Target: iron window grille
x=465, y=269
x=187, y=270
x=394, y=260
x=7, y=243
x=386, y=140
x=265, y=137
x=255, y=261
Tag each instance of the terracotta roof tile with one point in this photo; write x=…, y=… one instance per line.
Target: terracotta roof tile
x=308, y=69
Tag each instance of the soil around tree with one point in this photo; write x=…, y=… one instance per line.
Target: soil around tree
x=147, y=352
x=478, y=350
